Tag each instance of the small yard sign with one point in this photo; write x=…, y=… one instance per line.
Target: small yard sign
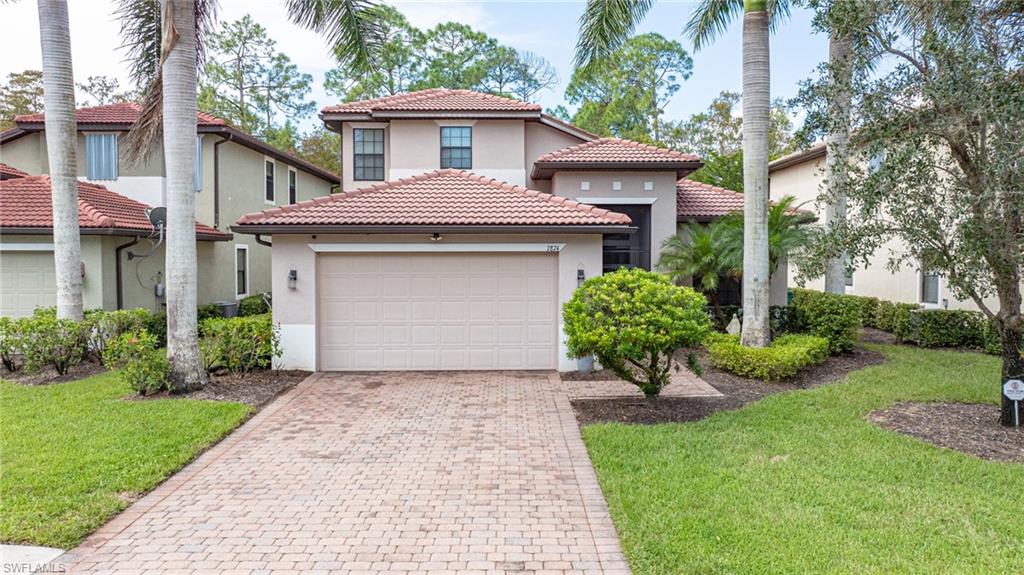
x=1013, y=389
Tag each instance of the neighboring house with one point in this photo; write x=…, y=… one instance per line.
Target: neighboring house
x=468, y=219
x=112, y=228
x=235, y=174
x=802, y=175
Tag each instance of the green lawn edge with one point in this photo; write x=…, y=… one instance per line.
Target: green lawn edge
x=75, y=454
x=800, y=482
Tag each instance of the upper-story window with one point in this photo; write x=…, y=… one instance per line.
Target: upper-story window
x=368, y=154
x=101, y=156
x=457, y=147
x=293, y=186
x=268, y=175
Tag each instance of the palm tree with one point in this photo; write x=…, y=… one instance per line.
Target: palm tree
x=165, y=45
x=61, y=147
x=788, y=232
x=606, y=24
x=703, y=254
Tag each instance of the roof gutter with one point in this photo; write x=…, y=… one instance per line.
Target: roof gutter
x=119, y=271
x=122, y=232
x=216, y=177
x=257, y=229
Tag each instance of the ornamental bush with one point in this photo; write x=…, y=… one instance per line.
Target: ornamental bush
x=139, y=362
x=51, y=341
x=102, y=326
x=253, y=305
x=239, y=344
x=786, y=356
x=12, y=343
x=632, y=321
x=835, y=317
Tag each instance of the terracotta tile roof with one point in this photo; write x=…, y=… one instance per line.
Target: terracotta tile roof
x=617, y=151
x=434, y=100
x=442, y=197
x=120, y=113
x=701, y=202
x=26, y=203
x=9, y=172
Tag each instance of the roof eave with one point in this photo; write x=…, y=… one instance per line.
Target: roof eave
x=255, y=144
x=797, y=158
x=545, y=170
x=430, y=229
x=119, y=232
x=429, y=114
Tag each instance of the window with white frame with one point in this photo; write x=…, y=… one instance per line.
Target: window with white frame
x=241, y=270
x=268, y=177
x=101, y=156
x=929, y=287
x=368, y=154
x=293, y=186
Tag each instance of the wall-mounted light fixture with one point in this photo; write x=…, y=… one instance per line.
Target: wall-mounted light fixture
x=293, y=278
x=580, y=275
x=436, y=237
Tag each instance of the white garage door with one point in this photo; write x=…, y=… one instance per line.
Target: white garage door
x=27, y=281
x=437, y=311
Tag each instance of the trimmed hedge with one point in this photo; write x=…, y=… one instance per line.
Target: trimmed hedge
x=834, y=317
x=253, y=305
x=786, y=356
x=239, y=344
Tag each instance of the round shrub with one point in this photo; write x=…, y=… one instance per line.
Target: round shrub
x=633, y=320
x=51, y=341
x=12, y=343
x=835, y=317
x=239, y=344
x=253, y=305
x=141, y=365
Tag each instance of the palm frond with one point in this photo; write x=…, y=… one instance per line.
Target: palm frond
x=140, y=38
x=604, y=26
x=711, y=19
x=351, y=27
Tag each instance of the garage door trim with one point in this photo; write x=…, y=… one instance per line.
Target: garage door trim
x=437, y=247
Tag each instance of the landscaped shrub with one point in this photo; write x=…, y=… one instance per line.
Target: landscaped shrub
x=102, y=326
x=156, y=325
x=207, y=311
x=901, y=320
x=991, y=342
x=786, y=356
x=885, y=316
x=240, y=344
x=139, y=363
x=253, y=305
x=12, y=335
x=868, y=308
x=781, y=319
x=633, y=320
x=51, y=341
x=832, y=316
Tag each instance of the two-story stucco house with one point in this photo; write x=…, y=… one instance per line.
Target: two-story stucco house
x=802, y=174
x=123, y=266
x=466, y=221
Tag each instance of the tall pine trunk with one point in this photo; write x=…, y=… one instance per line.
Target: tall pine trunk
x=61, y=148
x=837, y=144
x=756, y=104
x=179, y=117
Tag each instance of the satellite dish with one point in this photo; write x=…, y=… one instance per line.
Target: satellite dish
x=157, y=216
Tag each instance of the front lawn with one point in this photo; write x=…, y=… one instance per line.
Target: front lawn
x=800, y=482
x=75, y=454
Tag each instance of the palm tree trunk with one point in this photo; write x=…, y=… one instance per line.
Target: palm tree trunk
x=756, y=103
x=179, y=113
x=837, y=145
x=61, y=148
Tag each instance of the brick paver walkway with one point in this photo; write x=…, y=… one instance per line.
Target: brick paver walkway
x=374, y=473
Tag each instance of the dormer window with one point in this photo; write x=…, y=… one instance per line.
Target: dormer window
x=368, y=154
x=101, y=156
x=457, y=147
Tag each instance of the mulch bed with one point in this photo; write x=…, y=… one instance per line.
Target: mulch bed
x=969, y=428
x=256, y=388
x=48, y=374
x=737, y=392
x=872, y=335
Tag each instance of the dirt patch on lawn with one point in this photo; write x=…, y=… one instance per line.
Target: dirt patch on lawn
x=256, y=388
x=736, y=392
x=48, y=374
x=969, y=428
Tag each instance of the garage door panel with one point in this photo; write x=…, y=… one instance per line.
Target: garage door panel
x=27, y=281
x=438, y=311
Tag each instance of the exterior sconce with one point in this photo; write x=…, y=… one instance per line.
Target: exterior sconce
x=435, y=237
x=580, y=276
x=293, y=278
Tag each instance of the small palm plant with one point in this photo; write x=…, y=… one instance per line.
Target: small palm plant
x=788, y=232
x=701, y=252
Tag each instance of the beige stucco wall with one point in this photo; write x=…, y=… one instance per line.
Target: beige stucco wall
x=295, y=310
x=540, y=140
x=27, y=153
x=662, y=198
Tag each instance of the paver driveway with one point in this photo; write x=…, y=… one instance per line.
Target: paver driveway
x=403, y=472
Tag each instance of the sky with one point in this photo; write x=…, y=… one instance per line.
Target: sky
x=546, y=28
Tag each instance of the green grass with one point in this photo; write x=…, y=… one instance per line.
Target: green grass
x=73, y=454
x=800, y=483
